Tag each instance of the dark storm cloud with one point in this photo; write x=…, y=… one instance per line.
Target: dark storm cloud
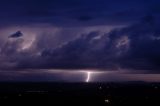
x=16, y=35
x=85, y=18
x=134, y=47
x=75, y=12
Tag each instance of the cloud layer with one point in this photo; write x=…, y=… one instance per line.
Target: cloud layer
x=134, y=47
x=75, y=12
x=80, y=34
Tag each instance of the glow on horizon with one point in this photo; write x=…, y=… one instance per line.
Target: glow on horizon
x=86, y=76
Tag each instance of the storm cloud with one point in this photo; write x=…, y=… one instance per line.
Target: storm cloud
x=75, y=12
x=80, y=34
x=134, y=47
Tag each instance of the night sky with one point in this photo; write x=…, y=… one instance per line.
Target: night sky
x=71, y=40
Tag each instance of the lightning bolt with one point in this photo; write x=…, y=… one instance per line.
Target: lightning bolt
x=88, y=76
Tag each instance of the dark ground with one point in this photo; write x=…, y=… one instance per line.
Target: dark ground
x=79, y=94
